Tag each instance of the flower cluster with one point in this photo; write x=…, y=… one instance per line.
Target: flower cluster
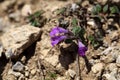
x=59, y=34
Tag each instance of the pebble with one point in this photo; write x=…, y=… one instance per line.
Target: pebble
x=72, y=73
x=85, y=3
x=17, y=74
x=61, y=78
x=103, y=2
x=23, y=59
x=33, y=71
x=92, y=23
x=26, y=73
x=26, y=68
x=74, y=7
x=97, y=67
x=108, y=77
x=18, y=66
x=21, y=77
x=9, y=53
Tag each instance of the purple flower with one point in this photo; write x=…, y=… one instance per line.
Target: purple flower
x=57, y=34
x=81, y=48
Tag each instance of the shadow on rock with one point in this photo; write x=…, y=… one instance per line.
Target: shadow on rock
x=68, y=55
x=88, y=65
x=29, y=52
x=3, y=62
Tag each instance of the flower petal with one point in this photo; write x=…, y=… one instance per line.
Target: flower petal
x=57, y=39
x=81, y=49
x=57, y=30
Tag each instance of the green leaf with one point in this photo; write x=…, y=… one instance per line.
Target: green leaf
x=53, y=75
x=91, y=38
x=35, y=15
x=74, y=22
x=76, y=30
x=97, y=9
x=93, y=41
x=79, y=32
x=114, y=9
x=105, y=8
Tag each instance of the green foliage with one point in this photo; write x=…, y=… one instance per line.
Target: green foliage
x=74, y=22
x=105, y=8
x=93, y=41
x=97, y=9
x=78, y=31
x=114, y=9
x=35, y=17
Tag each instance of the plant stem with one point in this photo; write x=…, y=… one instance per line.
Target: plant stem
x=78, y=67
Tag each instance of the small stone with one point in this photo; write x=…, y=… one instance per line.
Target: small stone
x=33, y=71
x=61, y=78
x=74, y=7
x=108, y=77
x=26, y=73
x=22, y=77
x=18, y=66
x=26, y=10
x=91, y=23
x=72, y=73
x=9, y=53
x=118, y=61
x=23, y=59
x=10, y=77
x=115, y=1
x=114, y=35
x=26, y=68
x=103, y=2
x=17, y=74
x=97, y=67
x=85, y=3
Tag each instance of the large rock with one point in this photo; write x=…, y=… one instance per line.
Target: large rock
x=16, y=40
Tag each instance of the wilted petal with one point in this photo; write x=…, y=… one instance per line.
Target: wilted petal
x=81, y=49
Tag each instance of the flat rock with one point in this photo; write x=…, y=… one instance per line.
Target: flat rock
x=16, y=40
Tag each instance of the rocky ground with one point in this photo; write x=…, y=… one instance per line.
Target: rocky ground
x=25, y=48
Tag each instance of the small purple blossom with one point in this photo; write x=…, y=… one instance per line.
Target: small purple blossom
x=57, y=34
x=81, y=48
